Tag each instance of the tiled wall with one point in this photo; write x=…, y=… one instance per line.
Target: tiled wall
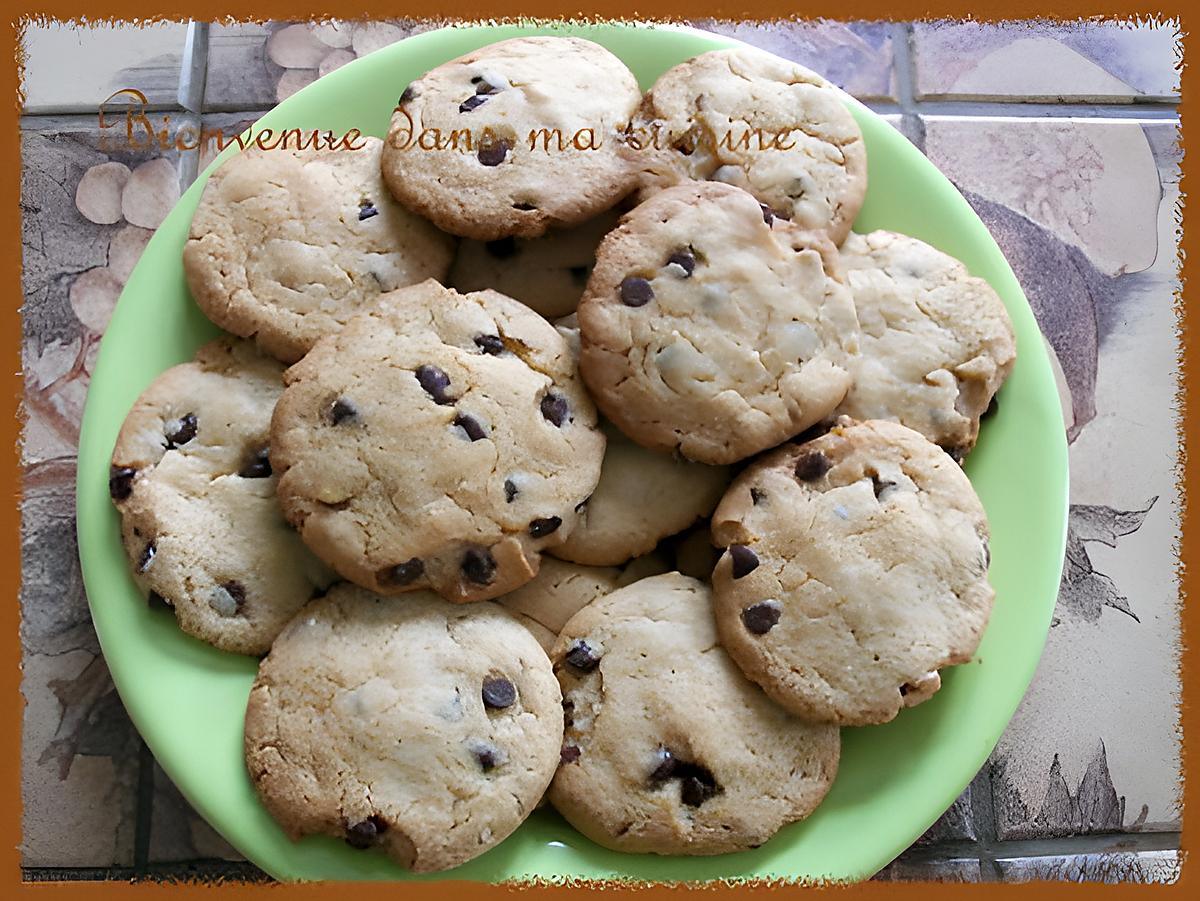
x=1062, y=136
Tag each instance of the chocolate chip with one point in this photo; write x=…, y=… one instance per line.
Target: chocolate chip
x=636, y=291
x=760, y=618
x=366, y=211
x=479, y=566
x=579, y=274
x=120, y=482
x=181, y=431
x=363, y=835
x=489, y=756
x=510, y=491
x=157, y=601
x=483, y=86
x=745, y=561
x=490, y=344
x=498, y=693
x=409, y=94
x=555, y=409
x=147, y=557
x=582, y=656
x=258, y=466
x=471, y=426
x=435, y=382
x=879, y=486
x=540, y=528
x=475, y=100
x=684, y=260
x=694, y=790
x=904, y=689
x=568, y=754
x=756, y=496
x=502, y=249
x=342, y=410
x=493, y=154
x=665, y=765
x=228, y=598
x=768, y=214
x=525, y=206
x=812, y=466
x=402, y=573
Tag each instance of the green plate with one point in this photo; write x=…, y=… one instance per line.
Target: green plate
x=188, y=699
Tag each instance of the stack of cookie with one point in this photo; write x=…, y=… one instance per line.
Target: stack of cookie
x=471, y=524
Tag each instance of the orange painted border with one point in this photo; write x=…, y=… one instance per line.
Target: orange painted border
x=260, y=10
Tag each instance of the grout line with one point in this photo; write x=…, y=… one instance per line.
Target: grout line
x=195, y=67
x=1065, y=846
x=904, y=68
x=144, y=808
x=983, y=819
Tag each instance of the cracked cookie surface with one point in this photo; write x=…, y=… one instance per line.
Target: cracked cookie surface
x=440, y=441
x=855, y=569
x=711, y=328
x=192, y=478
x=937, y=343
x=543, y=116
x=748, y=118
x=286, y=245
x=421, y=727
x=668, y=748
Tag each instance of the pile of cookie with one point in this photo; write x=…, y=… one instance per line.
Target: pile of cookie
x=618, y=472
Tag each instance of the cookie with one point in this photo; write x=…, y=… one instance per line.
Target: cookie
x=559, y=591
x=668, y=748
x=748, y=118
x=192, y=478
x=286, y=245
x=514, y=138
x=642, y=497
x=710, y=330
x=547, y=274
x=856, y=569
x=440, y=441
x=426, y=729
x=937, y=343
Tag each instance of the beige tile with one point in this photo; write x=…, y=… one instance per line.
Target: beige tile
x=1094, y=746
x=79, y=765
x=1093, y=182
x=73, y=68
x=856, y=56
x=1045, y=61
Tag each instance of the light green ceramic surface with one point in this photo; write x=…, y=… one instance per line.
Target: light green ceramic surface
x=188, y=699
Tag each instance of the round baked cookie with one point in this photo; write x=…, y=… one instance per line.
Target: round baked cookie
x=668, y=748
x=937, y=343
x=547, y=274
x=856, y=568
x=286, y=245
x=439, y=441
x=513, y=138
x=710, y=330
x=642, y=497
x=424, y=728
x=748, y=118
x=559, y=591
x=191, y=476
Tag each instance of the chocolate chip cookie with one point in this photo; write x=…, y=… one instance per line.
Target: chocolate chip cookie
x=559, y=591
x=668, y=748
x=547, y=274
x=192, y=478
x=426, y=729
x=855, y=569
x=440, y=441
x=937, y=343
x=513, y=138
x=748, y=118
x=711, y=328
x=286, y=245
